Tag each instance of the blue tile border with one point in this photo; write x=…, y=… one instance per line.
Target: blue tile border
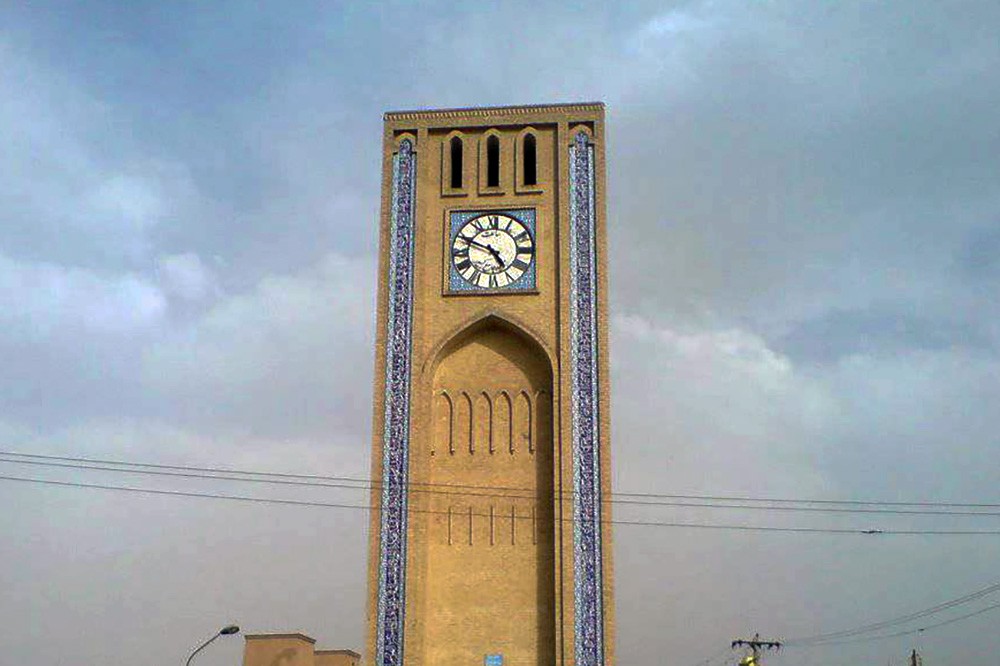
x=396, y=428
x=587, y=553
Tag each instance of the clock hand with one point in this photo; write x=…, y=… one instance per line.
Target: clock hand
x=488, y=248
x=496, y=255
x=481, y=246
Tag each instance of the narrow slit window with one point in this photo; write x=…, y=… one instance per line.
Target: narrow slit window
x=492, y=162
x=530, y=161
x=456, y=163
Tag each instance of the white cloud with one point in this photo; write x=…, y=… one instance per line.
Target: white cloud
x=43, y=298
x=706, y=410
x=74, y=188
x=673, y=22
x=291, y=355
x=717, y=408
x=186, y=277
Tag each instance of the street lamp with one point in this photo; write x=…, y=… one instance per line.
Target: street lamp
x=225, y=631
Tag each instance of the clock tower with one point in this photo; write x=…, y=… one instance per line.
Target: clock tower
x=490, y=535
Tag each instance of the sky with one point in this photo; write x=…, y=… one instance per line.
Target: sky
x=804, y=235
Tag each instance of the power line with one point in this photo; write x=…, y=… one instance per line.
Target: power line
x=868, y=628
x=368, y=484
x=636, y=523
x=905, y=633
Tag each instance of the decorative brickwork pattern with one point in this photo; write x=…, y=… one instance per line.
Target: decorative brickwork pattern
x=588, y=578
x=494, y=111
x=395, y=452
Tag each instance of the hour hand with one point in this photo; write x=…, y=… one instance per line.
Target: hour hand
x=488, y=248
x=496, y=255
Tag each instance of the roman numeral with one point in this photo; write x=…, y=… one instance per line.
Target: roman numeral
x=493, y=221
x=460, y=251
x=462, y=265
x=520, y=264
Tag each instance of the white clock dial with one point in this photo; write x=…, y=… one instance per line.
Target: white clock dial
x=492, y=251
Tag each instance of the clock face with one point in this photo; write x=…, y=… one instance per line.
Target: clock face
x=493, y=251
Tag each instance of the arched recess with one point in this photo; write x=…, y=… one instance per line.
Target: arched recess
x=453, y=164
x=405, y=136
x=525, y=440
x=502, y=420
x=491, y=163
x=533, y=160
x=484, y=319
x=444, y=419
x=497, y=364
x=582, y=127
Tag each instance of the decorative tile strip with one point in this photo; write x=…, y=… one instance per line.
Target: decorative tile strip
x=587, y=553
x=396, y=432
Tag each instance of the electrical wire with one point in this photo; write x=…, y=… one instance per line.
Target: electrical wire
x=368, y=486
x=637, y=523
x=364, y=483
x=868, y=628
x=904, y=633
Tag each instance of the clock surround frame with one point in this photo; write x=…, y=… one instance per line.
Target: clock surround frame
x=456, y=285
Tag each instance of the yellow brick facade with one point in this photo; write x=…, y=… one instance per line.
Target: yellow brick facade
x=293, y=650
x=489, y=559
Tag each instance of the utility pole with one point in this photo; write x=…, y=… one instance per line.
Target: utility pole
x=756, y=645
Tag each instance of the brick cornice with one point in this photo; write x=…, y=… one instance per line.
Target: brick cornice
x=489, y=111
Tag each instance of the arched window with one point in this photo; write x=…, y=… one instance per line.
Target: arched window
x=456, y=163
x=530, y=160
x=492, y=162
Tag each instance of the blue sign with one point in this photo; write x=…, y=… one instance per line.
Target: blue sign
x=493, y=660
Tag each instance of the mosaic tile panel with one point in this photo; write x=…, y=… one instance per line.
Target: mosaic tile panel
x=396, y=432
x=587, y=552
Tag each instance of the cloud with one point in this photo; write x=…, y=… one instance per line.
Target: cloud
x=46, y=300
x=803, y=204
x=718, y=400
x=74, y=192
x=290, y=356
x=880, y=331
x=186, y=277
x=720, y=411
x=797, y=164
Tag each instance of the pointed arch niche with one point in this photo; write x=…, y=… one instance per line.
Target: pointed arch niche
x=488, y=465
x=454, y=167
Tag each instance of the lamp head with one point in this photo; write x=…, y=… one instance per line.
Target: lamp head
x=231, y=629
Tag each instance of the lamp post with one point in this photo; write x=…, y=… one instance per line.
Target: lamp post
x=225, y=631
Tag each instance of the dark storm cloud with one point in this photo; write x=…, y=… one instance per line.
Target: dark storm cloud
x=875, y=332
